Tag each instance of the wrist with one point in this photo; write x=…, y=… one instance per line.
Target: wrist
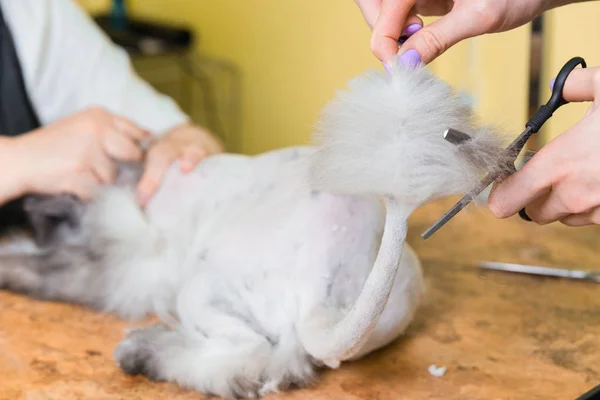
x=13, y=182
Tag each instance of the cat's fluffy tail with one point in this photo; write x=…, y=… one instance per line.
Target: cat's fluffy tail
x=384, y=137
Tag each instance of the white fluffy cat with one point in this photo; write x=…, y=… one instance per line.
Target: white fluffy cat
x=266, y=267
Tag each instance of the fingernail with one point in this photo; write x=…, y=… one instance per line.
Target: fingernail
x=552, y=83
x=410, y=58
x=411, y=30
x=387, y=67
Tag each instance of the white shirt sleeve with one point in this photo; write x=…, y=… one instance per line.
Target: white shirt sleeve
x=69, y=64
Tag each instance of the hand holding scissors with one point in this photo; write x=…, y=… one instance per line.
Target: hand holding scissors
x=562, y=181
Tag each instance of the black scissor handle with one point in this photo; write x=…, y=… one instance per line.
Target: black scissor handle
x=523, y=215
x=556, y=100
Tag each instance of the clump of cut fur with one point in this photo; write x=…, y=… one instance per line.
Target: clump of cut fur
x=384, y=135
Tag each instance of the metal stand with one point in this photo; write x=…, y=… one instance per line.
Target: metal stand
x=206, y=88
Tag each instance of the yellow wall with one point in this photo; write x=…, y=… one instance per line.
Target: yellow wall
x=571, y=31
x=294, y=54
x=94, y=6
x=493, y=69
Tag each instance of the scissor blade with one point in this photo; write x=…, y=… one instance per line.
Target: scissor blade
x=447, y=216
x=515, y=147
x=462, y=203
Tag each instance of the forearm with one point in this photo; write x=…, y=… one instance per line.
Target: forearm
x=12, y=180
x=88, y=67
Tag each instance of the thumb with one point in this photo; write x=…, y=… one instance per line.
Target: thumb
x=434, y=39
x=582, y=84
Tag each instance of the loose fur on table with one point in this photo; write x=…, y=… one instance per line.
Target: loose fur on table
x=264, y=268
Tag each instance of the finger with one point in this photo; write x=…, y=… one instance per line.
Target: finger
x=130, y=129
x=413, y=25
x=588, y=218
x=433, y=8
x=121, y=147
x=191, y=157
x=370, y=10
x=434, y=39
x=386, y=32
x=104, y=168
x=521, y=188
x=581, y=84
x=546, y=209
x=158, y=162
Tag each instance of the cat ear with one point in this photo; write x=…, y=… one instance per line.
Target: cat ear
x=47, y=214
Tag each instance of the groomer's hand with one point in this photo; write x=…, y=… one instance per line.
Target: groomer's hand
x=187, y=143
x=75, y=154
x=562, y=181
x=462, y=19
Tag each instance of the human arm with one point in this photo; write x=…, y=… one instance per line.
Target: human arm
x=71, y=156
x=69, y=64
x=11, y=183
x=461, y=19
x=562, y=181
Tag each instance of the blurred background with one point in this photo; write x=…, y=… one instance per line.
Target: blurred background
x=258, y=72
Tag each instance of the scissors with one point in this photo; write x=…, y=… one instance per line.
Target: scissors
x=514, y=149
x=592, y=276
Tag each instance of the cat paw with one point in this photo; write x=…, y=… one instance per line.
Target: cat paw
x=269, y=387
x=244, y=388
x=136, y=354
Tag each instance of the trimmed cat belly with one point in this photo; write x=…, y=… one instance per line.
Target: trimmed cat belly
x=264, y=208
x=275, y=260
x=270, y=235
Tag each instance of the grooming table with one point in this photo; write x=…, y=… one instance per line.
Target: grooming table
x=500, y=335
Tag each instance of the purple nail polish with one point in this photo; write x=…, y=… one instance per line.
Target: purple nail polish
x=387, y=67
x=410, y=58
x=552, y=83
x=411, y=29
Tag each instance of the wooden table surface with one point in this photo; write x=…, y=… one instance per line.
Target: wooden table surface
x=500, y=335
